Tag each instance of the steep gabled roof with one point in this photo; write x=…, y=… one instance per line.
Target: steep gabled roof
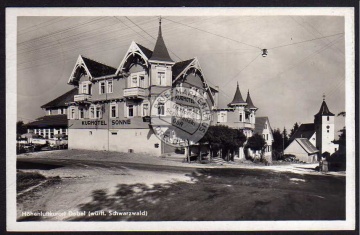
x=324, y=110
x=260, y=124
x=98, y=69
x=306, y=145
x=160, y=52
x=238, y=100
x=249, y=101
x=178, y=67
x=305, y=130
x=61, y=100
x=148, y=53
x=50, y=121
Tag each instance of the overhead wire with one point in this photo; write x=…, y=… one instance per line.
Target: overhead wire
x=310, y=32
x=313, y=39
x=218, y=35
x=300, y=61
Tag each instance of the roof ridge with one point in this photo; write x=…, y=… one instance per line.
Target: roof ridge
x=97, y=61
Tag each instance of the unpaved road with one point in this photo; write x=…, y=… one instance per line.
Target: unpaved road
x=178, y=193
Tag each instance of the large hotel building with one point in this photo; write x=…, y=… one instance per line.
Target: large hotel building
x=112, y=109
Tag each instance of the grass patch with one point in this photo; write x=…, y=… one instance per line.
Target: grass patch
x=25, y=180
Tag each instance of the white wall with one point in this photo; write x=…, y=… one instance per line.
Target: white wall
x=140, y=140
x=300, y=154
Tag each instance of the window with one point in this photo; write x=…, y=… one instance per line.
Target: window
x=92, y=112
x=49, y=111
x=113, y=110
x=51, y=133
x=161, y=78
x=241, y=117
x=134, y=81
x=145, y=109
x=267, y=136
x=102, y=87
x=161, y=109
x=222, y=116
x=72, y=113
x=98, y=113
x=131, y=110
x=142, y=81
x=81, y=113
x=85, y=88
x=110, y=86
x=265, y=126
x=328, y=118
x=63, y=131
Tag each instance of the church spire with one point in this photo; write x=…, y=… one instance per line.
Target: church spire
x=160, y=52
x=249, y=102
x=238, y=100
x=324, y=110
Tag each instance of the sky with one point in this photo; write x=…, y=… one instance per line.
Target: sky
x=305, y=60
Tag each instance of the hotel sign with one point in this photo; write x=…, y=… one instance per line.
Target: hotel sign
x=104, y=123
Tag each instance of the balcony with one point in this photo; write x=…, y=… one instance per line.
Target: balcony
x=134, y=93
x=82, y=97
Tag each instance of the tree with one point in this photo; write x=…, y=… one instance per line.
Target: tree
x=294, y=129
x=256, y=142
x=277, y=145
x=20, y=128
x=285, y=138
x=223, y=138
x=342, y=137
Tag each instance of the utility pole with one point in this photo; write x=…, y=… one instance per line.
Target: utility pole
x=283, y=135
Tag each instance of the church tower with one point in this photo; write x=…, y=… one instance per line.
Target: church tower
x=325, y=129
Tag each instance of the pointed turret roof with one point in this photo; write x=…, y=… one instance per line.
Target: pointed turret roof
x=238, y=100
x=160, y=51
x=249, y=101
x=324, y=110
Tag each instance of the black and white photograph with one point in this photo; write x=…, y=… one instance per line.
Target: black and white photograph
x=161, y=119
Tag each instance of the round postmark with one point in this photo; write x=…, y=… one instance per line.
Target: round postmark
x=180, y=116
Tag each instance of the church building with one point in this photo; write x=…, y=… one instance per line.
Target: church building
x=312, y=140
